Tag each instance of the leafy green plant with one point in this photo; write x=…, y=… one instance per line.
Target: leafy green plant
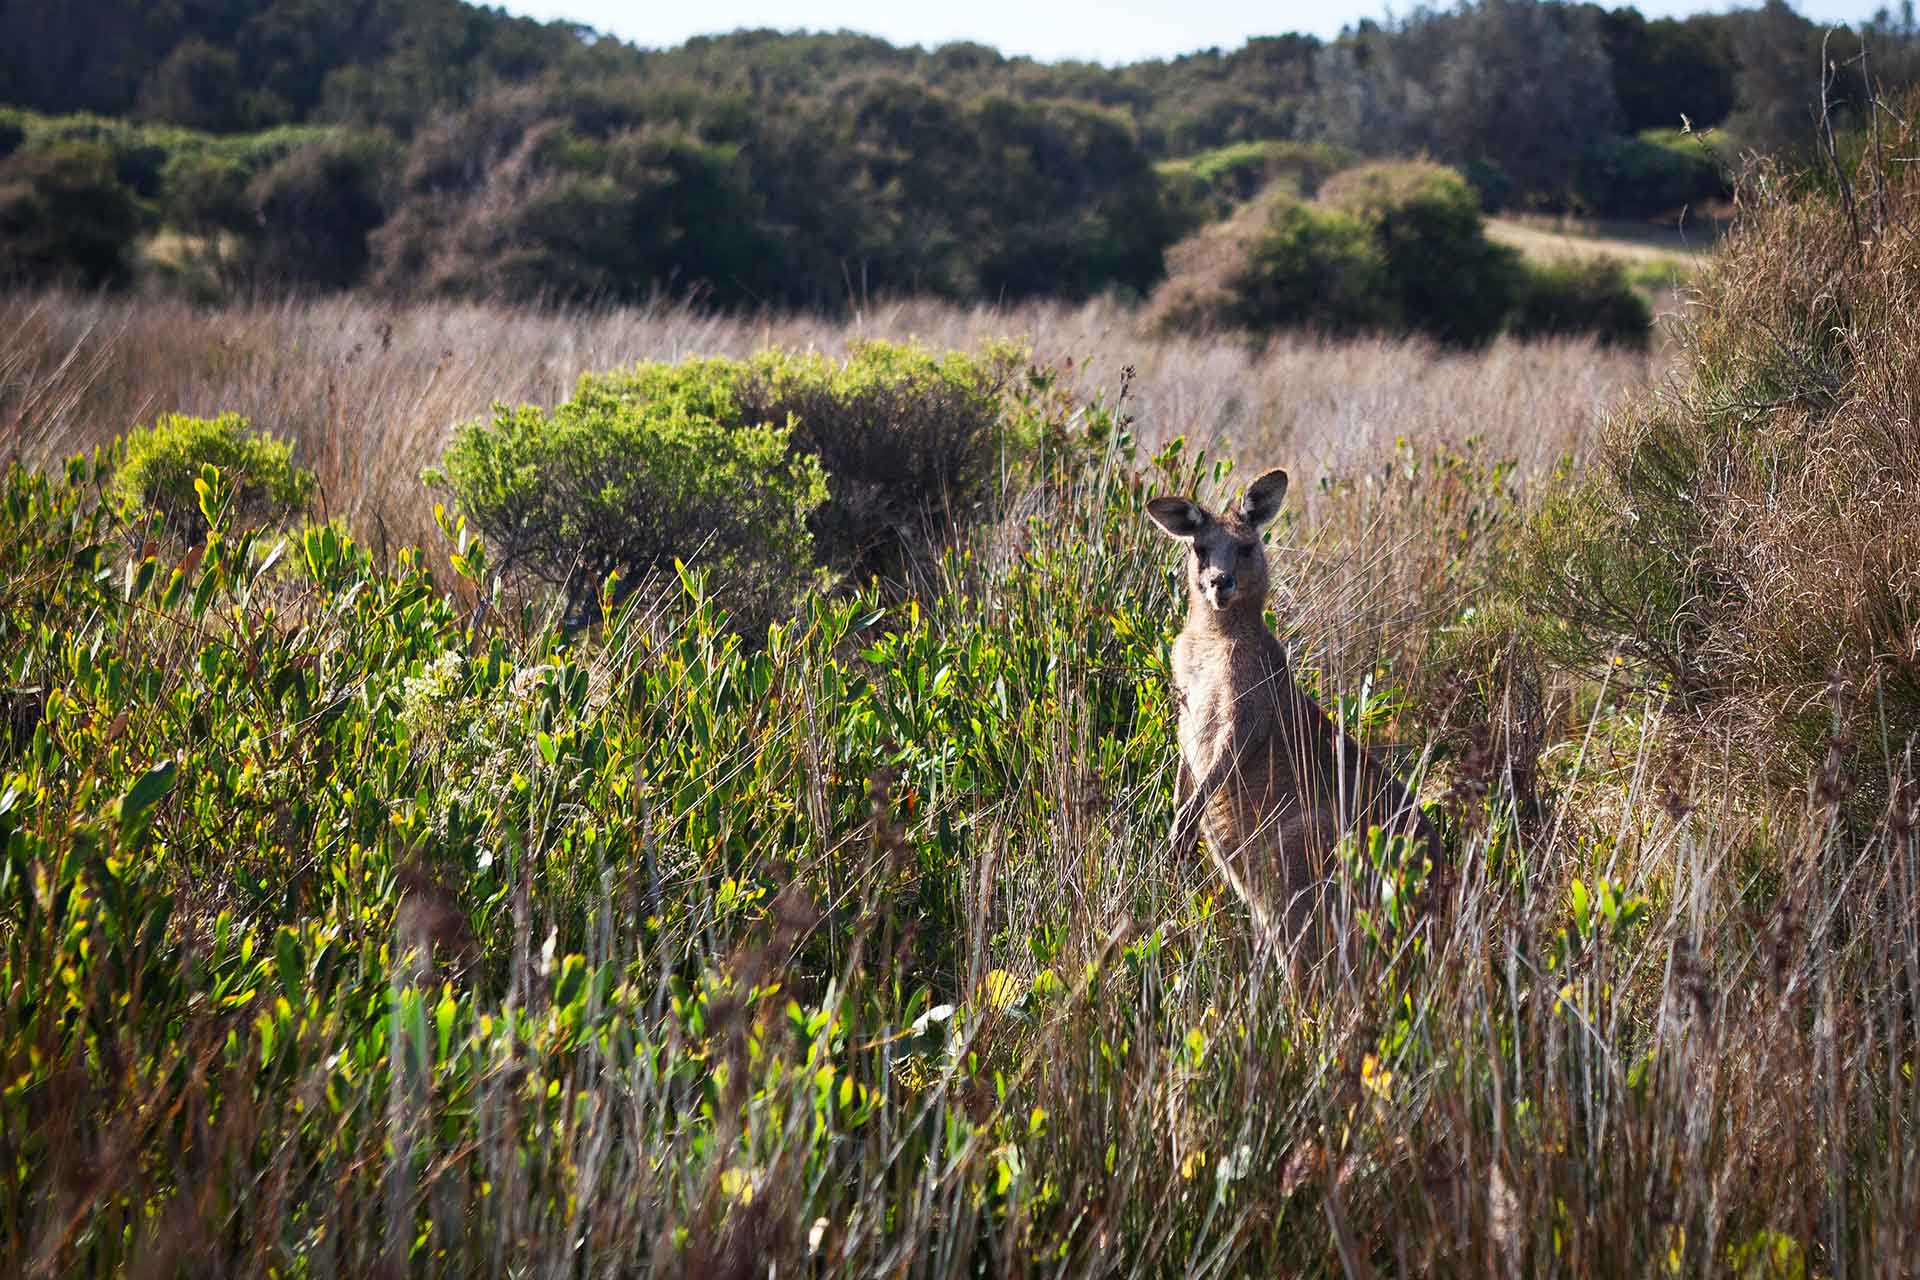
x=615, y=483
x=912, y=443
x=1443, y=275
x=1580, y=295
x=163, y=463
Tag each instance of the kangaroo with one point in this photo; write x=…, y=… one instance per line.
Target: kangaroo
x=1274, y=782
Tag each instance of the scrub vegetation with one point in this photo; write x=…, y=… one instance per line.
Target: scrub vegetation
x=380, y=894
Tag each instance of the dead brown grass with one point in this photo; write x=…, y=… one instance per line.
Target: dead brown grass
x=370, y=392
x=1748, y=538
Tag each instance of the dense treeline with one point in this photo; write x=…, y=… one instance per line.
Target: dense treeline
x=230, y=65
x=432, y=146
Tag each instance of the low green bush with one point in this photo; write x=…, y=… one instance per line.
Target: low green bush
x=261, y=484
x=1445, y=278
x=1659, y=171
x=911, y=442
x=611, y=482
x=1318, y=269
x=1580, y=295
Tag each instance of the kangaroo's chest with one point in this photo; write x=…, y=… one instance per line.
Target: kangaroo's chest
x=1227, y=699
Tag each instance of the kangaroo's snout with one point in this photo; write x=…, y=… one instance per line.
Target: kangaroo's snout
x=1219, y=589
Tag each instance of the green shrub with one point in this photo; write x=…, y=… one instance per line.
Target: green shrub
x=612, y=482
x=263, y=486
x=64, y=215
x=1657, y=172
x=911, y=441
x=1445, y=278
x=1317, y=269
x=1580, y=295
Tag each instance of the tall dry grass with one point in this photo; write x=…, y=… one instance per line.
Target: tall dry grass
x=1746, y=536
x=370, y=392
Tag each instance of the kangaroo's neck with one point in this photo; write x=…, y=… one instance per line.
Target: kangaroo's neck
x=1243, y=621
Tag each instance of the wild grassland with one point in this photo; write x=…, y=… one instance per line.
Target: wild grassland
x=371, y=393
x=352, y=929
x=1637, y=243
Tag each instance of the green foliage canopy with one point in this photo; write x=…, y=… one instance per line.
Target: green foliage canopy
x=609, y=484
x=163, y=462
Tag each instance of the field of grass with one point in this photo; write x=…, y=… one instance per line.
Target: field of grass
x=370, y=393
x=355, y=921
x=1657, y=256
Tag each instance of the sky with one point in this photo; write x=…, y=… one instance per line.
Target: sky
x=1107, y=31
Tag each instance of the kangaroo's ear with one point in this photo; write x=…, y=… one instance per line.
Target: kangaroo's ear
x=1179, y=517
x=1263, y=496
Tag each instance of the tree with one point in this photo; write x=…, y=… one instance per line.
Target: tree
x=1777, y=86
x=1520, y=86
x=64, y=216
x=315, y=210
x=1666, y=69
x=198, y=86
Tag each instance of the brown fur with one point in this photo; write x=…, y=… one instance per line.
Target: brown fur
x=1273, y=781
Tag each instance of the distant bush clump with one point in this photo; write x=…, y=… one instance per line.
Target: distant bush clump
x=261, y=483
x=1580, y=296
x=314, y=210
x=65, y=216
x=1385, y=247
x=1318, y=269
x=1660, y=171
x=1443, y=276
x=1208, y=186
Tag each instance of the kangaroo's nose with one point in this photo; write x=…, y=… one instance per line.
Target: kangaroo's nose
x=1224, y=582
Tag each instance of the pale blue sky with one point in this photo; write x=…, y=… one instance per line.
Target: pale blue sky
x=1102, y=30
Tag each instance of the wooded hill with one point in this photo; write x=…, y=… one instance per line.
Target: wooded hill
x=428, y=146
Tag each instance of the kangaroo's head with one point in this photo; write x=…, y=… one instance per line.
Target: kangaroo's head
x=1227, y=570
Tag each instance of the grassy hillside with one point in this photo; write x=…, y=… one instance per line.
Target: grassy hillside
x=360, y=917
